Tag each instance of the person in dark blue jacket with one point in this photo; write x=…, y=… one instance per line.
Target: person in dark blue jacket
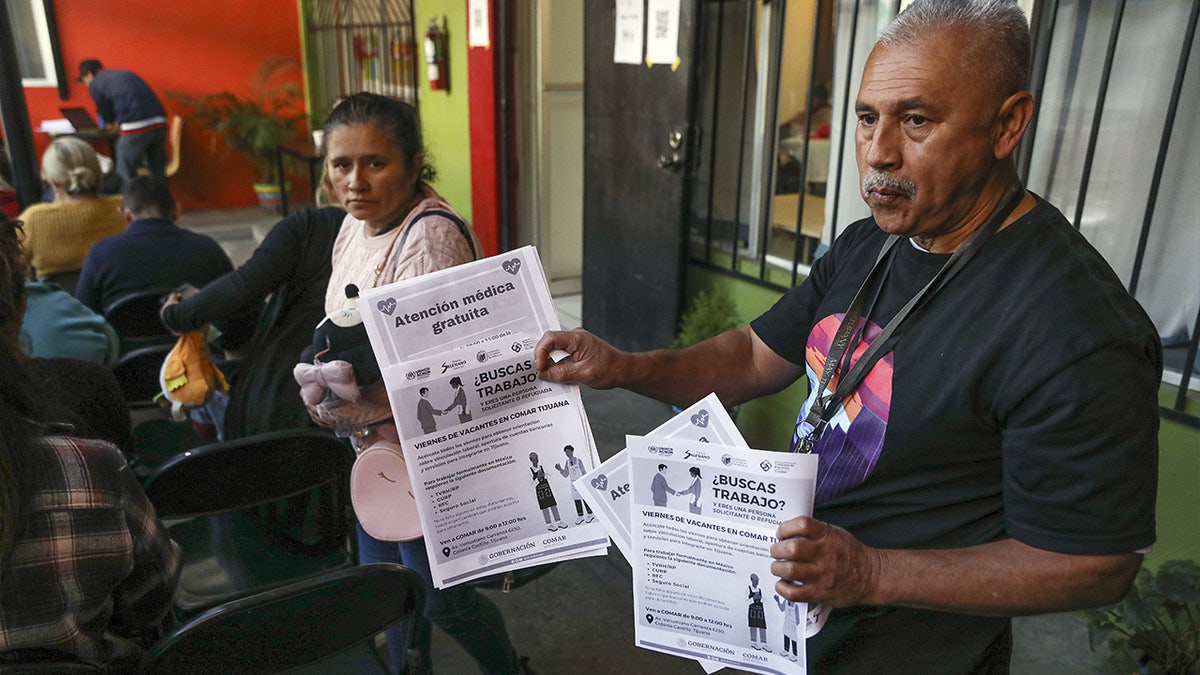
x=154, y=254
x=124, y=101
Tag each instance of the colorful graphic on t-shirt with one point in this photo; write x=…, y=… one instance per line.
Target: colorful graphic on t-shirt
x=852, y=442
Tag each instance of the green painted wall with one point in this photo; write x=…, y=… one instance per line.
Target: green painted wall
x=445, y=117
x=1178, y=510
x=767, y=423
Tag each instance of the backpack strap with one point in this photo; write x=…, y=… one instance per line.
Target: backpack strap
x=462, y=228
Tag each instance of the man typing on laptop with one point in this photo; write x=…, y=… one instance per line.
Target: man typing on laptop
x=125, y=101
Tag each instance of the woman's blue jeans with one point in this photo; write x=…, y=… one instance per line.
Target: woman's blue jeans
x=473, y=620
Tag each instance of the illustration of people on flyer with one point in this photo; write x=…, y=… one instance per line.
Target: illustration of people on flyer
x=573, y=471
x=545, y=494
x=702, y=580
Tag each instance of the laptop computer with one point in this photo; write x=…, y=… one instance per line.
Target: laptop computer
x=79, y=118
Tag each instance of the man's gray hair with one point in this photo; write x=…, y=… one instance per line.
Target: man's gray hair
x=998, y=33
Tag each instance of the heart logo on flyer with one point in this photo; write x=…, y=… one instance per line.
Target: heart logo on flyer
x=512, y=266
x=600, y=482
x=387, y=306
x=700, y=419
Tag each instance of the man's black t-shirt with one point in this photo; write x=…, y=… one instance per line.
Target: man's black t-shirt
x=1020, y=402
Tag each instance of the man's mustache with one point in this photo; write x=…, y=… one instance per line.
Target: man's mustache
x=877, y=180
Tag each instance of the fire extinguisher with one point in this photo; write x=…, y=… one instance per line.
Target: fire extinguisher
x=435, y=57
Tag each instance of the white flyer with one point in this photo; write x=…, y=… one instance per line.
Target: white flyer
x=491, y=450
x=630, y=24
x=703, y=519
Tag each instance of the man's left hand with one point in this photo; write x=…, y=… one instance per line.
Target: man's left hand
x=819, y=562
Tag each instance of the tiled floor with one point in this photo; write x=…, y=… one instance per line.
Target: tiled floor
x=578, y=618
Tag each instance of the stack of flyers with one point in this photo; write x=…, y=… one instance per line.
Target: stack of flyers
x=695, y=511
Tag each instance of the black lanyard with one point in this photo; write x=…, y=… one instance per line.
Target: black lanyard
x=849, y=333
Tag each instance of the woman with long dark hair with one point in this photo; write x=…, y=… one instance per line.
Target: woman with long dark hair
x=87, y=571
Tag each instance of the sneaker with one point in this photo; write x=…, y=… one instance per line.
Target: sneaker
x=766, y=649
x=590, y=517
x=754, y=644
x=579, y=520
x=552, y=527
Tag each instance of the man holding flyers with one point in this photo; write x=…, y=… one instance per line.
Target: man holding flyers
x=987, y=413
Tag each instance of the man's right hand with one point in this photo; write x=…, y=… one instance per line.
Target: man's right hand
x=589, y=360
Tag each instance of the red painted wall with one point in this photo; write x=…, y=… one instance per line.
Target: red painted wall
x=191, y=47
x=485, y=193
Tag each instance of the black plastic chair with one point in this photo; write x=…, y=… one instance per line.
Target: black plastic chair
x=138, y=374
x=43, y=662
x=312, y=624
x=135, y=318
x=255, y=513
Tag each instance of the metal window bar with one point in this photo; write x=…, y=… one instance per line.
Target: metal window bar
x=376, y=45
x=716, y=117
x=747, y=71
x=817, y=45
x=841, y=146
x=770, y=92
x=1101, y=97
x=707, y=220
x=1042, y=25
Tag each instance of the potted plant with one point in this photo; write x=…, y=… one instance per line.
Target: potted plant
x=709, y=314
x=256, y=124
x=1156, y=628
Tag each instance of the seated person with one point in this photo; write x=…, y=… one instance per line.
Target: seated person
x=59, y=234
x=154, y=253
x=100, y=604
x=56, y=324
x=72, y=350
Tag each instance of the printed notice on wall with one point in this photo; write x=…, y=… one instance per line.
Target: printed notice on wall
x=662, y=32
x=627, y=45
x=478, y=28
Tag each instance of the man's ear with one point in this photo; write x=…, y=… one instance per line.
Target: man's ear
x=129, y=217
x=1011, y=122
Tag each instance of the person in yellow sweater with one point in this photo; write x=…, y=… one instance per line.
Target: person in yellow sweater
x=59, y=234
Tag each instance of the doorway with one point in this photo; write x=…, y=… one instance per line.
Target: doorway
x=548, y=68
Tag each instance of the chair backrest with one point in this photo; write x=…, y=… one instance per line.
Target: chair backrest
x=293, y=625
x=138, y=371
x=43, y=662
x=136, y=315
x=68, y=280
x=247, y=472
x=174, y=137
